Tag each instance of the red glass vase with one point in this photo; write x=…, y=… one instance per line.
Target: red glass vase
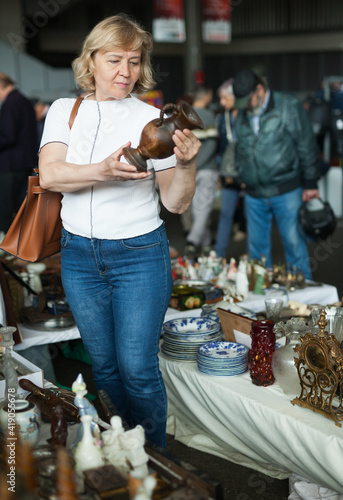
x=262, y=348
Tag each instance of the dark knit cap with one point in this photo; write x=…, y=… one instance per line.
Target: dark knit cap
x=244, y=83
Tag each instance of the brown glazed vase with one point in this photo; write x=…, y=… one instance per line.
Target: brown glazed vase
x=261, y=353
x=156, y=138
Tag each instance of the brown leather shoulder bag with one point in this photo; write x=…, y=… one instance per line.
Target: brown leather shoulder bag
x=35, y=232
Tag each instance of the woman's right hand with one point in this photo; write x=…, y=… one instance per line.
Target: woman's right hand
x=55, y=174
x=112, y=169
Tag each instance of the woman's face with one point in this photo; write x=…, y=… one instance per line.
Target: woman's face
x=115, y=73
x=227, y=100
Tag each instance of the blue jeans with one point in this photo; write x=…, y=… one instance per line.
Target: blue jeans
x=227, y=212
x=119, y=291
x=285, y=208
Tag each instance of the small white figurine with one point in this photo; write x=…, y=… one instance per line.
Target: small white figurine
x=222, y=280
x=85, y=408
x=132, y=443
x=191, y=272
x=242, y=282
x=232, y=272
x=112, y=448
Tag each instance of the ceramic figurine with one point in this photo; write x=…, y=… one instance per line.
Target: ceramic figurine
x=132, y=443
x=190, y=271
x=112, y=448
x=242, y=282
x=222, y=280
x=59, y=427
x=85, y=408
x=156, y=138
x=259, y=284
x=35, y=270
x=232, y=272
x=88, y=452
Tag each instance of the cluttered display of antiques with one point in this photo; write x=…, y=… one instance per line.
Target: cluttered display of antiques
x=64, y=450
x=55, y=446
x=270, y=339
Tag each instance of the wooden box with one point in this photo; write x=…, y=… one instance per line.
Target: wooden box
x=236, y=328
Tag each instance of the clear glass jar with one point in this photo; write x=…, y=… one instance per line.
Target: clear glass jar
x=283, y=365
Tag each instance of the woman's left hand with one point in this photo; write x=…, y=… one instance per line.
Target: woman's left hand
x=177, y=186
x=186, y=147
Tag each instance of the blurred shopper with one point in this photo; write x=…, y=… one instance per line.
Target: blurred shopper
x=41, y=110
x=228, y=172
x=18, y=148
x=277, y=158
x=199, y=236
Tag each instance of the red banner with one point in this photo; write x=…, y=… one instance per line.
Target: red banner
x=169, y=23
x=168, y=9
x=216, y=24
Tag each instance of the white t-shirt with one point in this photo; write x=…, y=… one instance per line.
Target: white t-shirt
x=111, y=209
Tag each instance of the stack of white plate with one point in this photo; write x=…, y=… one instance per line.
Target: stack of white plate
x=182, y=337
x=223, y=358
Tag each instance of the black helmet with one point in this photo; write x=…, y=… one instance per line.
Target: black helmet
x=317, y=219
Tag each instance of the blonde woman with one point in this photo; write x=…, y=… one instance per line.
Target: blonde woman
x=115, y=256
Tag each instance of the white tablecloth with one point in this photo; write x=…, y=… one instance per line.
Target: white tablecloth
x=33, y=337
x=256, y=427
x=323, y=295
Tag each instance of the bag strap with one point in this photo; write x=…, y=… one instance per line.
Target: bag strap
x=38, y=189
x=74, y=111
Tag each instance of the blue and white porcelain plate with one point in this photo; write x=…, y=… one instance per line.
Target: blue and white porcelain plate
x=182, y=326
x=193, y=337
x=222, y=373
x=185, y=350
x=222, y=358
x=220, y=350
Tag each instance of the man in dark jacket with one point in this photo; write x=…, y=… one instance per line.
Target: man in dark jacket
x=18, y=148
x=277, y=158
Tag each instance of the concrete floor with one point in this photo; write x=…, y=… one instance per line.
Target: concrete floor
x=238, y=483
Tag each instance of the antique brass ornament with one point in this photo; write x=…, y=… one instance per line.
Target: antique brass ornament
x=320, y=371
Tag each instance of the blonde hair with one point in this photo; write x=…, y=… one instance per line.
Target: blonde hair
x=115, y=32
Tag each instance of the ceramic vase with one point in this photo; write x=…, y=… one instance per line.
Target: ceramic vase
x=27, y=419
x=156, y=139
x=88, y=452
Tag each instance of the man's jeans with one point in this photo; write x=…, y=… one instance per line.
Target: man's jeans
x=202, y=205
x=119, y=291
x=285, y=208
x=227, y=212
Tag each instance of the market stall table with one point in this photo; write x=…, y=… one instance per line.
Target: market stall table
x=256, y=427
x=229, y=417
x=323, y=295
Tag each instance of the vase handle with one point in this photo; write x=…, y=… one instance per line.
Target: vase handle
x=172, y=106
